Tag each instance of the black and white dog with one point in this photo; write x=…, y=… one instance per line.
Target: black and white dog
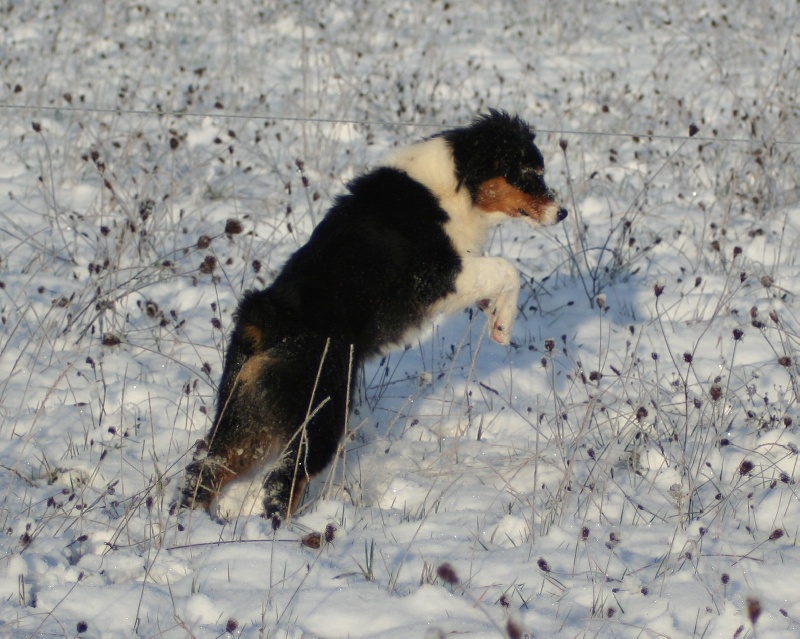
x=400, y=247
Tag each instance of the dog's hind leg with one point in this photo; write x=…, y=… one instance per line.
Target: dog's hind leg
x=242, y=437
x=316, y=439
x=284, y=486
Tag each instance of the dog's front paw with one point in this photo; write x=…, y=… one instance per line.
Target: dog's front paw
x=501, y=333
x=500, y=316
x=501, y=319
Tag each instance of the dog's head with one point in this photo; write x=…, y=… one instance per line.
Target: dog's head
x=497, y=161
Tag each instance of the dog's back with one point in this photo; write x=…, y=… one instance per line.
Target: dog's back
x=374, y=265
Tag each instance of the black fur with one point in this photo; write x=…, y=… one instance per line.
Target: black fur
x=497, y=145
x=369, y=273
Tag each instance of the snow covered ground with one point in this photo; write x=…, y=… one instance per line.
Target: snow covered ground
x=627, y=468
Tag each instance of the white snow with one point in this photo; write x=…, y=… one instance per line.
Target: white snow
x=628, y=467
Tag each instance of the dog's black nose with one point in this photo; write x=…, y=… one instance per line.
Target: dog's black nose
x=562, y=214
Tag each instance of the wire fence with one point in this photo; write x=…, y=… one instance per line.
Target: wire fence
x=382, y=123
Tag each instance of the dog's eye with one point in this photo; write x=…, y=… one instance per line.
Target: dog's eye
x=530, y=171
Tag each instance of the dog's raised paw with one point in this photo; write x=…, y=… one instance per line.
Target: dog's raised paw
x=500, y=335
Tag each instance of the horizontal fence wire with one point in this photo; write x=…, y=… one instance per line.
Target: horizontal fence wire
x=382, y=123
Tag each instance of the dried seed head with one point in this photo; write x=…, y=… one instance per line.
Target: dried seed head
x=715, y=392
x=549, y=345
x=693, y=130
x=312, y=540
x=447, y=574
x=233, y=227
x=738, y=333
x=641, y=413
x=231, y=625
x=776, y=534
x=658, y=288
x=543, y=565
x=600, y=300
x=785, y=361
x=208, y=265
x=563, y=144
x=746, y=467
x=753, y=609
x=766, y=281
x=330, y=533
x=737, y=251
x=203, y=242
x=687, y=357
x=725, y=578
x=109, y=339
x=513, y=629
x=81, y=627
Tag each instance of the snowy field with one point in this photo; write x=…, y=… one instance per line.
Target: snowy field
x=628, y=467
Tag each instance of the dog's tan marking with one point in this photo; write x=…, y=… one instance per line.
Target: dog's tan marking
x=251, y=371
x=498, y=195
x=300, y=482
x=253, y=335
